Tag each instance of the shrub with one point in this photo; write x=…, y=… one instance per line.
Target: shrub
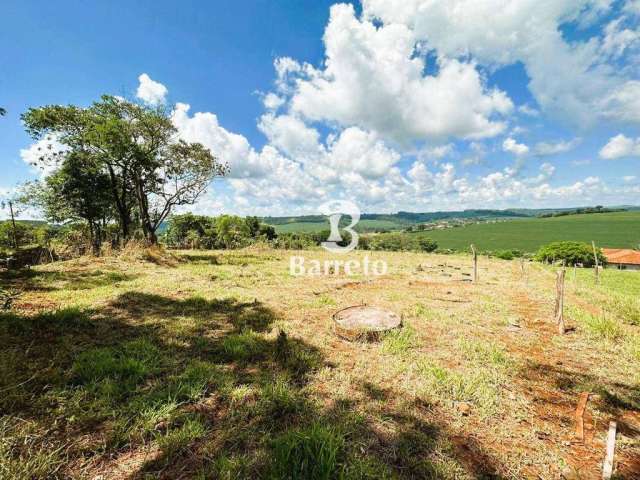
x=400, y=242
x=571, y=252
x=507, y=254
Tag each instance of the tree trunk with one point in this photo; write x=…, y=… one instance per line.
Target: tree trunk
x=13, y=224
x=121, y=204
x=143, y=210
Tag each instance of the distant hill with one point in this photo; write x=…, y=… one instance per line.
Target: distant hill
x=616, y=230
x=371, y=222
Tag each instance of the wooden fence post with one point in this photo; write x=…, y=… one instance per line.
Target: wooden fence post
x=560, y=301
x=475, y=263
x=595, y=255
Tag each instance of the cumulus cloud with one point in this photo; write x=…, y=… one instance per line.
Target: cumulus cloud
x=518, y=149
x=230, y=148
x=291, y=135
x=567, y=79
x=623, y=103
x=150, y=91
x=620, y=146
x=373, y=79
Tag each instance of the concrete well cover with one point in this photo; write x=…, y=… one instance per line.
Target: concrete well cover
x=363, y=319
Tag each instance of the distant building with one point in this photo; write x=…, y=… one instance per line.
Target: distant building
x=622, y=259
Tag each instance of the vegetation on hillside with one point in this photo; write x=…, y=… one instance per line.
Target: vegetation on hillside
x=582, y=211
x=612, y=230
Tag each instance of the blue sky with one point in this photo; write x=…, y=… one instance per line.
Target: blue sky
x=393, y=104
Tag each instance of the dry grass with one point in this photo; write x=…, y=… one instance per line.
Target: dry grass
x=222, y=365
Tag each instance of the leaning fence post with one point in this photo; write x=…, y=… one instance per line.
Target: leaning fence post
x=595, y=255
x=560, y=301
x=475, y=263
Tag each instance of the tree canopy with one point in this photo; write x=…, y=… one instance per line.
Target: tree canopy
x=120, y=161
x=572, y=253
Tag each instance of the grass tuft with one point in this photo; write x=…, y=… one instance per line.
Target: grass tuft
x=399, y=341
x=245, y=346
x=177, y=440
x=313, y=453
x=480, y=386
x=23, y=458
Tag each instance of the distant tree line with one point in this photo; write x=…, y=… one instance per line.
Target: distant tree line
x=581, y=211
x=223, y=232
x=229, y=231
x=121, y=171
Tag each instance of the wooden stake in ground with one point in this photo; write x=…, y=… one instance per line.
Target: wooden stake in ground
x=595, y=255
x=560, y=301
x=607, y=467
x=475, y=263
x=582, y=405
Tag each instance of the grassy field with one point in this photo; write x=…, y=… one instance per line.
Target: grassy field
x=222, y=365
x=362, y=226
x=615, y=230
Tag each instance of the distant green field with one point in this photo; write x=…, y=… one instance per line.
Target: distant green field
x=616, y=230
x=363, y=226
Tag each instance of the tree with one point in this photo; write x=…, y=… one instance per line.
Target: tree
x=78, y=190
x=571, y=252
x=150, y=169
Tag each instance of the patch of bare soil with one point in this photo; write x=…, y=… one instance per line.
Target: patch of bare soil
x=553, y=408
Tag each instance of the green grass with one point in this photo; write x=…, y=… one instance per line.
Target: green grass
x=362, y=226
x=223, y=366
x=399, y=341
x=603, y=326
x=615, y=230
x=312, y=453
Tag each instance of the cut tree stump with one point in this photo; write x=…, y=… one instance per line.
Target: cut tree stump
x=364, y=322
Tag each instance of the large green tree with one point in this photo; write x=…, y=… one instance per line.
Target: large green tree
x=150, y=169
x=78, y=190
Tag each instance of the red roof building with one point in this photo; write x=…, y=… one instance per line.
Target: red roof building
x=624, y=259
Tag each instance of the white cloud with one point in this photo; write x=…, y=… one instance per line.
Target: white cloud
x=373, y=79
x=629, y=178
x=150, y=91
x=632, y=7
x=553, y=148
x=43, y=156
x=567, y=79
x=230, y=148
x=618, y=38
x=361, y=152
x=621, y=146
x=272, y=102
x=291, y=136
x=530, y=111
x=518, y=149
x=623, y=103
